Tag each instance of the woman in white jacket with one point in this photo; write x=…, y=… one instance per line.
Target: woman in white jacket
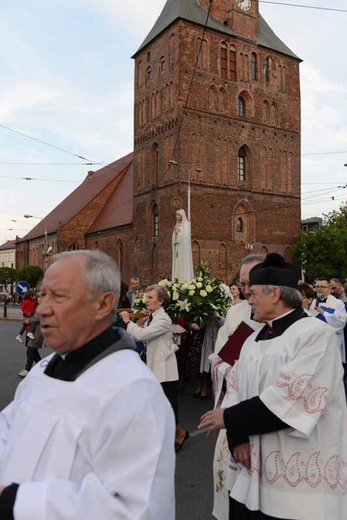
x=155, y=330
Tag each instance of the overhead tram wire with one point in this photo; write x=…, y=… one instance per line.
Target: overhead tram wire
x=286, y=4
x=90, y=162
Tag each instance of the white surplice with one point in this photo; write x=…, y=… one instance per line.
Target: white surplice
x=299, y=472
x=99, y=447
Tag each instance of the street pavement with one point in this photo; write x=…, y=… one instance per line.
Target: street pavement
x=194, y=462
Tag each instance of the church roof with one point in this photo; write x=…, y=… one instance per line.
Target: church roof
x=192, y=11
x=91, y=187
x=118, y=210
x=10, y=244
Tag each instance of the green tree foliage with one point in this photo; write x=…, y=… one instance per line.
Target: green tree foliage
x=8, y=276
x=323, y=252
x=31, y=274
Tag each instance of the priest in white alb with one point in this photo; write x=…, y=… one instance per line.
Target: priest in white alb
x=286, y=418
x=89, y=434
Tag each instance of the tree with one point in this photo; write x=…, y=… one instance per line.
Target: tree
x=31, y=274
x=322, y=252
x=8, y=276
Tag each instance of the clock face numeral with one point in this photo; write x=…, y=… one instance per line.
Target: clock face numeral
x=245, y=5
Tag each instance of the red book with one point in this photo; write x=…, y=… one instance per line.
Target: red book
x=230, y=353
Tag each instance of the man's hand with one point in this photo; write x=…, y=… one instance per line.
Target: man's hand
x=242, y=454
x=125, y=316
x=213, y=420
x=319, y=310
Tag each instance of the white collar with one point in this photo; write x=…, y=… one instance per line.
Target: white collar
x=279, y=317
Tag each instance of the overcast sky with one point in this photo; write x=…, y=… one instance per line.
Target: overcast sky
x=67, y=79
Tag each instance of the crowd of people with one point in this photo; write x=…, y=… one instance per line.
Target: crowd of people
x=107, y=416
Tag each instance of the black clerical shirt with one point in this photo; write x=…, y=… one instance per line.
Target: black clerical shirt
x=69, y=366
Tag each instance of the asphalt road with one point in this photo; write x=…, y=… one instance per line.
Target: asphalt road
x=194, y=462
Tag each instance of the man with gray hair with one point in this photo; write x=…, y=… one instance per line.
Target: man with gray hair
x=90, y=433
x=133, y=292
x=286, y=418
x=238, y=316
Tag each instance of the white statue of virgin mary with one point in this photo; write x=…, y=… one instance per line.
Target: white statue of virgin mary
x=182, y=258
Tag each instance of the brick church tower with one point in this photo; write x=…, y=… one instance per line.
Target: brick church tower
x=217, y=94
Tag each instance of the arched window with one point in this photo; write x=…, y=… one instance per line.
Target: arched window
x=148, y=74
x=155, y=221
x=254, y=66
x=239, y=225
x=202, y=54
x=162, y=65
x=232, y=64
x=266, y=69
x=212, y=98
x=241, y=107
x=172, y=49
x=73, y=247
x=241, y=165
x=274, y=114
x=222, y=101
x=243, y=224
x=266, y=111
x=223, y=61
x=96, y=244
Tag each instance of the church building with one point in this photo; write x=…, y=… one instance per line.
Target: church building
x=217, y=133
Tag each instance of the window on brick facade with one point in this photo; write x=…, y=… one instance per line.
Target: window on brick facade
x=241, y=107
x=239, y=225
x=202, y=54
x=254, y=66
x=148, y=74
x=162, y=64
x=212, y=98
x=223, y=61
x=172, y=49
x=232, y=63
x=266, y=69
x=149, y=56
x=241, y=165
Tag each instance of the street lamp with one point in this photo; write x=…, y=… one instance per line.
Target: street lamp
x=45, y=243
x=198, y=170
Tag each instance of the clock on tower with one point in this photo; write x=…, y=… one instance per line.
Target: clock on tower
x=245, y=5
x=243, y=18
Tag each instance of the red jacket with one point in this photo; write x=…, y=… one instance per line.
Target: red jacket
x=28, y=307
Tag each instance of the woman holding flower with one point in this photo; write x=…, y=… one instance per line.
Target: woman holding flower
x=155, y=330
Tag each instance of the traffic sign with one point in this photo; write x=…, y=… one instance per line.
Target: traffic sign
x=22, y=287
